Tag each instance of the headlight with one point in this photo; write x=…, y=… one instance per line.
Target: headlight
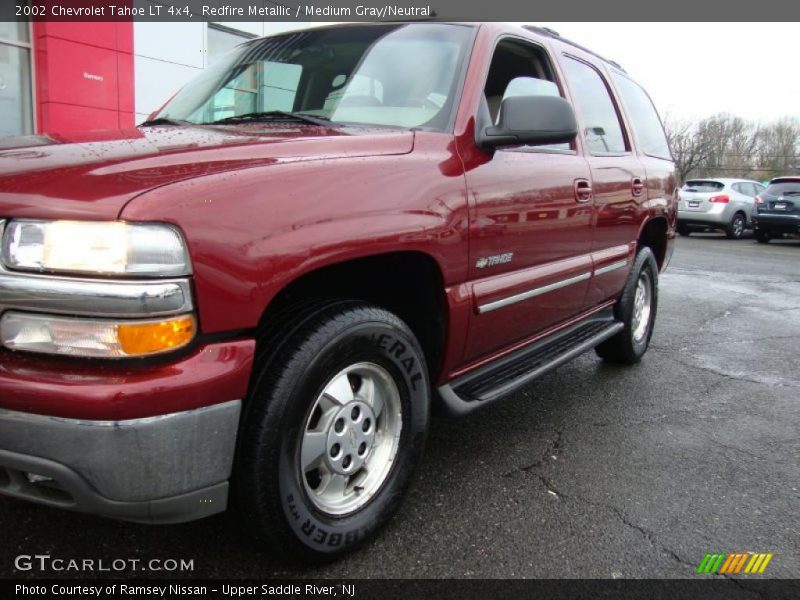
x=103, y=247
x=97, y=338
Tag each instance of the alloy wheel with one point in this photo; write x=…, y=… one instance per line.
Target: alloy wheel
x=351, y=438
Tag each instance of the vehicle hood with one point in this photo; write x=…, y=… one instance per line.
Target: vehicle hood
x=92, y=175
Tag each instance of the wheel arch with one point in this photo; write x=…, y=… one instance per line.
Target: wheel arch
x=408, y=283
x=653, y=234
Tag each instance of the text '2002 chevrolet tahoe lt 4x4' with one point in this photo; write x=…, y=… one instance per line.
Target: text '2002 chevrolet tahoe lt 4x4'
x=258, y=297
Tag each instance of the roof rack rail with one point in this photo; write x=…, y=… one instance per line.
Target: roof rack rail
x=554, y=34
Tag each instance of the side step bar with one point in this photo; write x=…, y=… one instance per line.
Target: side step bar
x=508, y=374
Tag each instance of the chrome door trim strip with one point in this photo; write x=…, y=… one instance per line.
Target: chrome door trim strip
x=503, y=302
x=612, y=267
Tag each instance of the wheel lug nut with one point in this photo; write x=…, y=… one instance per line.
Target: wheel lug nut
x=362, y=448
x=335, y=449
x=347, y=462
x=338, y=427
x=365, y=426
x=355, y=413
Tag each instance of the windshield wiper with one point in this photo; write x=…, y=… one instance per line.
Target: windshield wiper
x=274, y=115
x=164, y=121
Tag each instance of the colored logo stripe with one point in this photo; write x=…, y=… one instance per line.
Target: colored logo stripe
x=733, y=563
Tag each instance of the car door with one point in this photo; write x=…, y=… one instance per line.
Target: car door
x=748, y=191
x=530, y=218
x=618, y=177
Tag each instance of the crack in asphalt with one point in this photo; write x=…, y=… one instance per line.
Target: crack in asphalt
x=737, y=449
x=729, y=376
x=770, y=338
x=617, y=512
x=552, y=448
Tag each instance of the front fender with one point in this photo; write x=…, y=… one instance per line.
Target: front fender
x=251, y=233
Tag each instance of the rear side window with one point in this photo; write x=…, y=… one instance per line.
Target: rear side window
x=702, y=186
x=602, y=128
x=745, y=187
x=755, y=189
x=647, y=126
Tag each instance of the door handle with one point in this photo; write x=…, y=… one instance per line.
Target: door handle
x=583, y=190
x=637, y=186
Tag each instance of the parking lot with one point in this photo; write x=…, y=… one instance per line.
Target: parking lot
x=593, y=471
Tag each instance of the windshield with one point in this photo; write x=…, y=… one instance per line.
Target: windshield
x=401, y=75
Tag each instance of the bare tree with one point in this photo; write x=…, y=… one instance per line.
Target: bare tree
x=689, y=149
x=727, y=146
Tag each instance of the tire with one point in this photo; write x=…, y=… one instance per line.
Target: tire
x=683, y=230
x=735, y=229
x=629, y=345
x=313, y=404
x=762, y=237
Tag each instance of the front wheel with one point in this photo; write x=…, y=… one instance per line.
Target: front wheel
x=336, y=423
x=636, y=309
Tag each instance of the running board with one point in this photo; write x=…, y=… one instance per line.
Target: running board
x=509, y=373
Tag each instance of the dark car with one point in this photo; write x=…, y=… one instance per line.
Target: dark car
x=329, y=234
x=777, y=209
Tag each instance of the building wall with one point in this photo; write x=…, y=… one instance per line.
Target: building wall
x=113, y=75
x=83, y=75
x=167, y=55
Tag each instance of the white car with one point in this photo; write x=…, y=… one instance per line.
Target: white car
x=725, y=204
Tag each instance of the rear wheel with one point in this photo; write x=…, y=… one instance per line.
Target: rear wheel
x=735, y=228
x=762, y=237
x=636, y=309
x=335, y=424
x=683, y=230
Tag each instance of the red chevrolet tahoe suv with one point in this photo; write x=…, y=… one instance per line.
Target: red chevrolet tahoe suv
x=259, y=296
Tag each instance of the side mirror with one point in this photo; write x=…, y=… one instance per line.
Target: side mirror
x=532, y=120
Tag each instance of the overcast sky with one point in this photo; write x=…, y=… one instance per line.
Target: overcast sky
x=693, y=70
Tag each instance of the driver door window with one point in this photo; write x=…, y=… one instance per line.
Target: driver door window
x=520, y=69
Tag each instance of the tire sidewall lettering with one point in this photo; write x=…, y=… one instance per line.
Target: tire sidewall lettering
x=399, y=355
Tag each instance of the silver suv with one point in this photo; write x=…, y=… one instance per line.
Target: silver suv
x=724, y=204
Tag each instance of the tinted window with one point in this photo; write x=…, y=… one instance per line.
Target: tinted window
x=698, y=185
x=785, y=188
x=647, y=126
x=602, y=128
x=220, y=42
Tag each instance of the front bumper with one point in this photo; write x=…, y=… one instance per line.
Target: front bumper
x=166, y=469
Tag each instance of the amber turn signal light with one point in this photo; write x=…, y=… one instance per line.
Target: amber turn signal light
x=138, y=339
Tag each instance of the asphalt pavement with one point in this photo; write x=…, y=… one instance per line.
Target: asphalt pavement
x=592, y=471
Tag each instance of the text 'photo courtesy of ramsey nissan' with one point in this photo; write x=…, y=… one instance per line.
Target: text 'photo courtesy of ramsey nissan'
x=438, y=299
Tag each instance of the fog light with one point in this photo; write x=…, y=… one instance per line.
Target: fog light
x=94, y=337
